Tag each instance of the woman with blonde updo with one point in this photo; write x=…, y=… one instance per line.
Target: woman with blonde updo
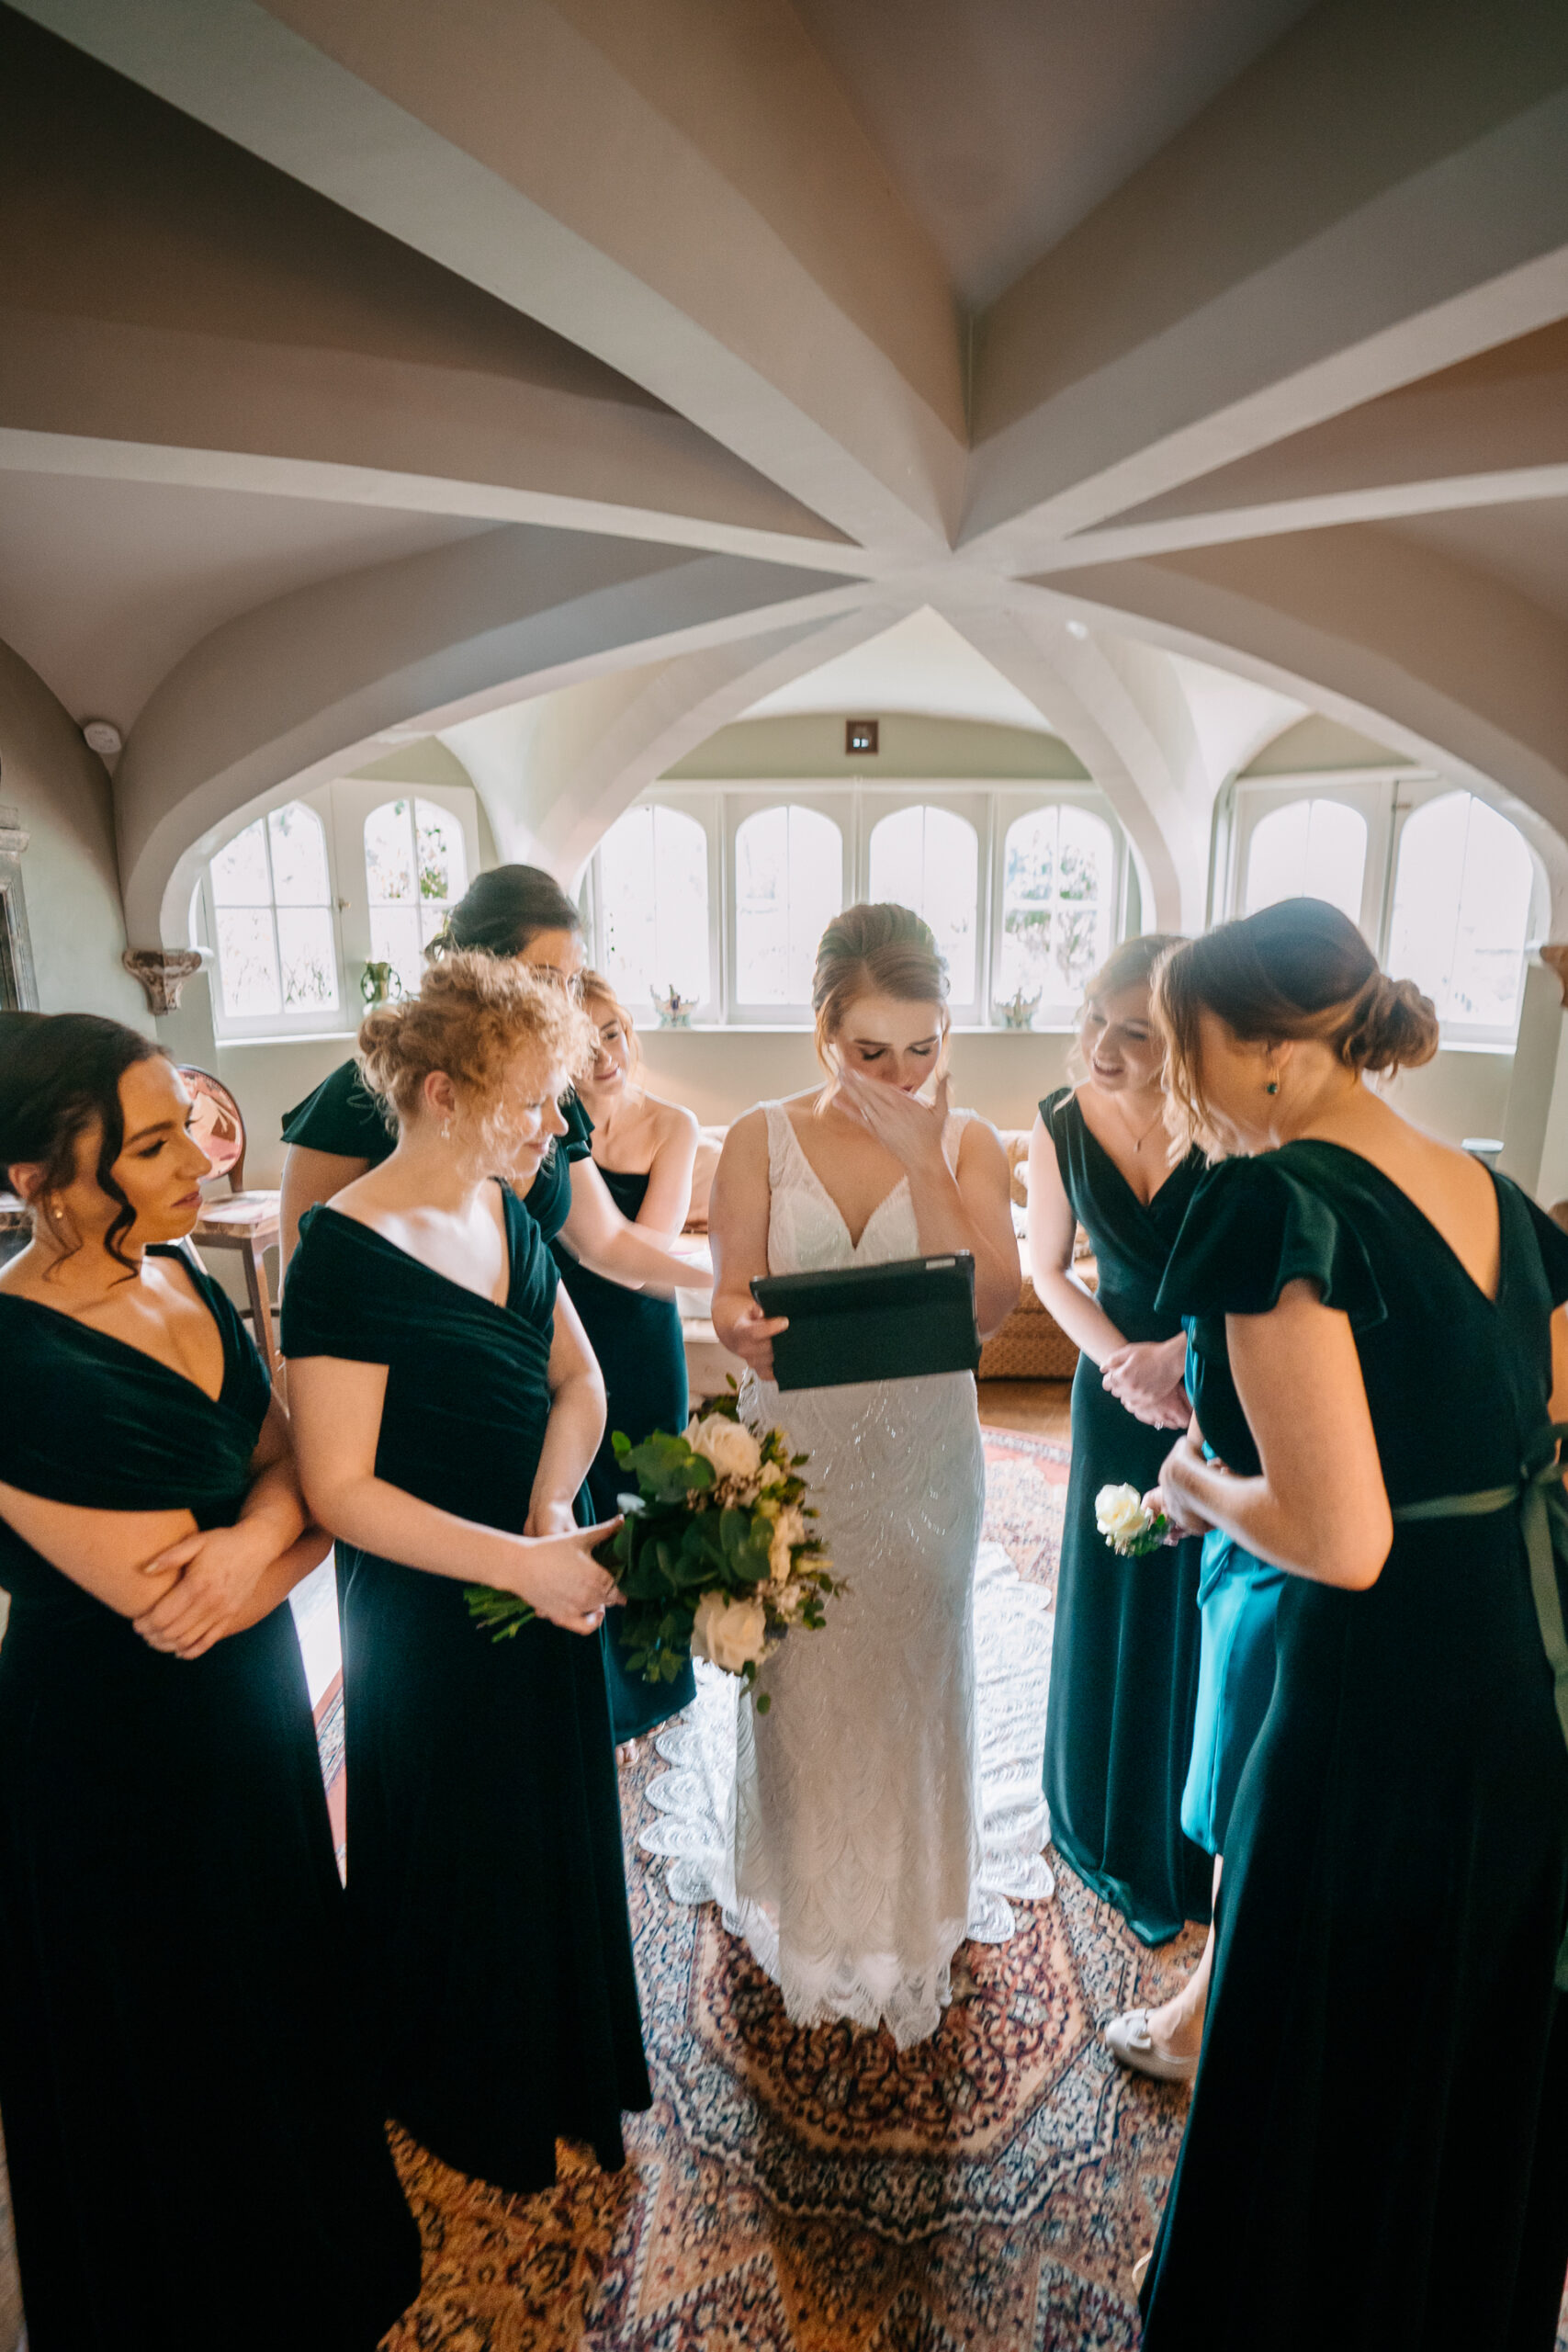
x=446, y=1408
x=863, y=1849
x=1376, y=2154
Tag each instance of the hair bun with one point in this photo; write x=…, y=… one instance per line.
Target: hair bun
x=1394, y=1027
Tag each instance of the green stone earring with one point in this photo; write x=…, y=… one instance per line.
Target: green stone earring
x=1272, y=1086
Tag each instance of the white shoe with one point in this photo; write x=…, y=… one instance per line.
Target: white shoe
x=1131, y=2044
x=1141, y=2270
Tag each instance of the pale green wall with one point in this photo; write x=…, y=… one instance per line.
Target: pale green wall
x=813, y=745
x=69, y=881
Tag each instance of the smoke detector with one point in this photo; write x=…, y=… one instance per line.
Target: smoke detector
x=101, y=735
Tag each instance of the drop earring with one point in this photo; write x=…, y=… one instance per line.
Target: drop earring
x=445, y=1130
x=1272, y=1086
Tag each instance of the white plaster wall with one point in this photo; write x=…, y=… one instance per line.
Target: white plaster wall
x=70, y=882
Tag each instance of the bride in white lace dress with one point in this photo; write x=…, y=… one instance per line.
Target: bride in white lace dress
x=884, y=1807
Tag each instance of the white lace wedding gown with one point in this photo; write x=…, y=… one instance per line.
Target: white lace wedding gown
x=890, y=1801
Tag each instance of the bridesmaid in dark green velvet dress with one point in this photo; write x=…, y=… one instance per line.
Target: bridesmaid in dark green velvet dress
x=1376, y=2156
x=448, y=1408
x=644, y=1149
x=196, y=2157
x=340, y=1131
x=1125, y=1657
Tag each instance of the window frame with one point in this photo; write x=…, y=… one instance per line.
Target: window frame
x=1009, y=803
x=353, y=799
x=1468, y=1036
x=741, y=801
x=283, y=1025
x=1387, y=797
x=703, y=806
x=855, y=807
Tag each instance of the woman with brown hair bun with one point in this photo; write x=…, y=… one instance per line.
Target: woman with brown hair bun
x=1376, y=2156
x=1124, y=1655
x=643, y=1150
x=446, y=1408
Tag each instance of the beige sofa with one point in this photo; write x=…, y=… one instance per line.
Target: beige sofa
x=1031, y=1344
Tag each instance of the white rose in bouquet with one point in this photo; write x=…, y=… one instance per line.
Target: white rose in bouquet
x=771, y=1474
x=789, y=1529
x=1118, y=1514
x=733, y=1634
x=728, y=1445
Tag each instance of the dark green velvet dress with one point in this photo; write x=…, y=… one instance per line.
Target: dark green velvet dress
x=344, y=1116
x=195, y=2156
x=1376, y=2156
x=637, y=1340
x=1124, y=1659
x=486, y=1890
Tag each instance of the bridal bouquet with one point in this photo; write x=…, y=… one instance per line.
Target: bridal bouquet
x=714, y=1557
x=1127, y=1523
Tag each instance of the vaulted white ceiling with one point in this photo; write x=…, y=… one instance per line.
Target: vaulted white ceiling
x=575, y=376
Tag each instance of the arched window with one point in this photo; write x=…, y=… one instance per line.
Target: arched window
x=1311, y=849
x=928, y=858
x=415, y=869
x=1461, y=909
x=1058, y=865
x=272, y=914
x=789, y=884
x=653, y=906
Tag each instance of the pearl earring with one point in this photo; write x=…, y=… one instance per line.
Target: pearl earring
x=445, y=1130
x=57, y=1210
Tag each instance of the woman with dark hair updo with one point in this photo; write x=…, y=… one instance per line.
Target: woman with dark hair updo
x=859, y=1840
x=448, y=1408
x=1125, y=1653
x=336, y=1133
x=1376, y=2156
x=196, y=2157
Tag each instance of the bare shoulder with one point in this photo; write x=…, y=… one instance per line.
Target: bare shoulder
x=747, y=1136
x=979, y=1144
x=672, y=1121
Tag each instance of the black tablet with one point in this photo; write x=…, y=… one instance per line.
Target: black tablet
x=895, y=1321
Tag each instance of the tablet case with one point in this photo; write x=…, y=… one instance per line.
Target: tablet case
x=895, y=1321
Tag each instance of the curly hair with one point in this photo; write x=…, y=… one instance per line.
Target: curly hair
x=473, y=1017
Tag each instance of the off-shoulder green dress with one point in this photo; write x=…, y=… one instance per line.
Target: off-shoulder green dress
x=197, y=2158
x=486, y=1889
x=1124, y=1655
x=1376, y=2156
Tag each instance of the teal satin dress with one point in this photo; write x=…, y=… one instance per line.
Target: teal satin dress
x=1376, y=2154
x=1124, y=1657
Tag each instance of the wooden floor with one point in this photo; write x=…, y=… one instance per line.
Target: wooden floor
x=1035, y=1408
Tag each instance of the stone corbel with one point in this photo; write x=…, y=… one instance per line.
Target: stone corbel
x=162, y=972
x=1556, y=960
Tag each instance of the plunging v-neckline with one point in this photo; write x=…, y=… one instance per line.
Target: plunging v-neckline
x=1112, y=1162
x=854, y=1239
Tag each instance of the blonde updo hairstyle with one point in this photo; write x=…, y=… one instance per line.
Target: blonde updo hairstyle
x=601, y=1004
x=475, y=1015
x=1300, y=970
x=1131, y=966
x=876, y=950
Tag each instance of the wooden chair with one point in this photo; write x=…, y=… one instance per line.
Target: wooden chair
x=248, y=1222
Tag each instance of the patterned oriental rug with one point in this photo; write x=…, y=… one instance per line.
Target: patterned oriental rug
x=795, y=2191
x=812, y=2191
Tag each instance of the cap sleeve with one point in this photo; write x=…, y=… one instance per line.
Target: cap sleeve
x=342, y=1116
x=332, y=1303
x=1250, y=1228
x=1552, y=1243
x=578, y=1141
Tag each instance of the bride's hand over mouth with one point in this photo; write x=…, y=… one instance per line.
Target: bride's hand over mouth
x=911, y=1130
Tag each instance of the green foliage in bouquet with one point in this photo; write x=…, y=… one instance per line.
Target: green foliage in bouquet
x=714, y=1553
